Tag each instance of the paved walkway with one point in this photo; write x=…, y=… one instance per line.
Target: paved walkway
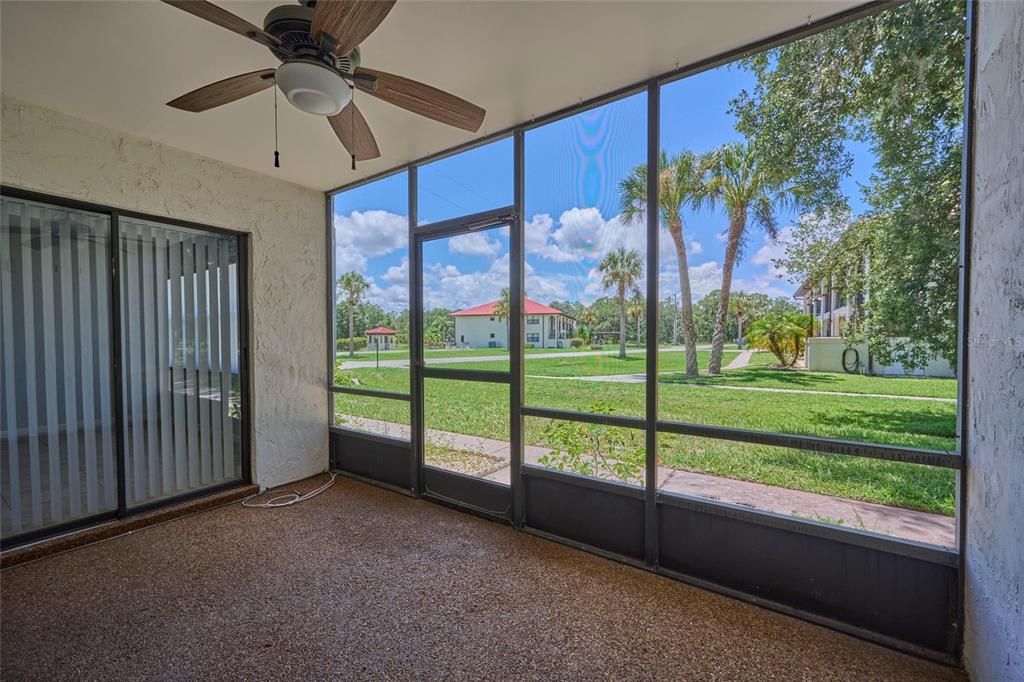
x=404, y=362
x=741, y=360
x=906, y=524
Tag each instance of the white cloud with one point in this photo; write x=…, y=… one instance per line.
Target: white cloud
x=581, y=234
x=392, y=298
x=446, y=286
x=362, y=235
x=543, y=288
x=722, y=236
x=474, y=244
x=772, y=250
x=541, y=241
x=694, y=248
x=398, y=274
x=704, y=279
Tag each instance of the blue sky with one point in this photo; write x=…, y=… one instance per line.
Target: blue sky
x=573, y=169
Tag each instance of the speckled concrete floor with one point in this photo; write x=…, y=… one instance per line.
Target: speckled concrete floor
x=361, y=583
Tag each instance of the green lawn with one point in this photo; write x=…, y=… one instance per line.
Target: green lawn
x=756, y=375
x=482, y=409
x=765, y=377
x=365, y=354
x=342, y=355
x=592, y=365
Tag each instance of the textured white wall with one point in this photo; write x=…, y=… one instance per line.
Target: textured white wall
x=50, y=152
x=994, y=548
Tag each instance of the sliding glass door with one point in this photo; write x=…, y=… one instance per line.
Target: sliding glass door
x=121, y=369
x=57, y=449
x=179, y=339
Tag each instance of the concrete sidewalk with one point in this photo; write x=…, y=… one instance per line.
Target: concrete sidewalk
x=741, y=360
x=906, y=524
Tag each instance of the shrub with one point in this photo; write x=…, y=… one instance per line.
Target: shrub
x=576, y=342
x=359, y=341
x=596, y=346
x=593, y=449
x=342, y=378
x=530, y=345
x=783, y=334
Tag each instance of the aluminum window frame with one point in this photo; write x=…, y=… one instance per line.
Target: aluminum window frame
x=651, y=423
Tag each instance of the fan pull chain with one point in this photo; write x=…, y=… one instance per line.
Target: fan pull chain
x=352, y=120
x=277, y=156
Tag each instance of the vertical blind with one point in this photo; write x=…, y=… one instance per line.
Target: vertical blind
x=180, y=409
x=57, y=417
x=179, y=340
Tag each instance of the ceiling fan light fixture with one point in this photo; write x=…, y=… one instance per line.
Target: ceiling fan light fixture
x=313, y=87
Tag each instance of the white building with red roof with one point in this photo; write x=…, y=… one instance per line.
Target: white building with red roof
x=544, y=327
x=380, y=338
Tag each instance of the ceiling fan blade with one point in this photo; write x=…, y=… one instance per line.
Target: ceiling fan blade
x=225, y=19
x=348, y=22
x=354, y=133
x=222, y=92
x=423, y=100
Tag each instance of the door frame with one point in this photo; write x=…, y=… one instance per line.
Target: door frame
x=116, y=363
x=477, y=495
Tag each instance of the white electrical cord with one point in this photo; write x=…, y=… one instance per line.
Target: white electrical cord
x=286, y=498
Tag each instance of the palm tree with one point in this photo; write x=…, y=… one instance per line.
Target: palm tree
x=739, y=307
x=502, y=310
x=621, y=270
x=636, y=310
x=740, y=182
x=588, y=318
x=680, y=184
x=353, y=286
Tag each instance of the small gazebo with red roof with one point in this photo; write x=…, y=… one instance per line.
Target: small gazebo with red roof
x=380, y=338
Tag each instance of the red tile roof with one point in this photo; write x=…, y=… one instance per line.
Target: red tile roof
x=531, y=308
x=381, y=330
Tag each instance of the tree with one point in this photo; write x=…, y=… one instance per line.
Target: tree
x=754, y=307
x=894, y=80
x=637, y=308
x=740, y=309
x=588, y=317
x=680, y=184
x=746, y=187
x=783, y=334
x=502, y=309
x=353, y=286
x=573, y=309
x=438, y=327
x=621, y=270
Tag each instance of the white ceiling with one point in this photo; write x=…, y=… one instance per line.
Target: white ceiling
x=117, y=63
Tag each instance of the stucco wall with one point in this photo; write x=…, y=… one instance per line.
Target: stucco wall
x=50, y=152
x=994, y=547
x=477, y=330
x=825, y=354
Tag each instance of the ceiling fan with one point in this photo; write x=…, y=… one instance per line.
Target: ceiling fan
x=317, y=42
